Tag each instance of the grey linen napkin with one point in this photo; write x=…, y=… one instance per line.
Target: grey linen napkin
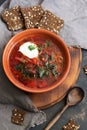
x=74, y=14
x=10, y=96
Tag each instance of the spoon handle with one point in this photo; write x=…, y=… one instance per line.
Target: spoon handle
x=55, y=119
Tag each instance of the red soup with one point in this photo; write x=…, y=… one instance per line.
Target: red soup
x=40, y=71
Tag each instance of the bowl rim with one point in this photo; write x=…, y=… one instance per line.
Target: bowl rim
x=8, y=72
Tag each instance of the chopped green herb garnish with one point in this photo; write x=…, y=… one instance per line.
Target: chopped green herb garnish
x=24, y=70
x=48, y=43
x=19, y=67
x=31, y=47
x=51, y=57
x=52, y=66
x=46, y=64
x=27, y=73
x=40, y=72
x=46, y=73
x=54, y=72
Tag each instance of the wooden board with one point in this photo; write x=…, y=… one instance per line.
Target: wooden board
x=47, y=99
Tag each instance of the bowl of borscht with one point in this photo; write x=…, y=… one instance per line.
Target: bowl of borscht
x=36, y=60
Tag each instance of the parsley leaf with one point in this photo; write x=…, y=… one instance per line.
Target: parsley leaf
x=31, y=47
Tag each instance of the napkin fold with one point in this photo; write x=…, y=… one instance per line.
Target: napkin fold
x=74, y=14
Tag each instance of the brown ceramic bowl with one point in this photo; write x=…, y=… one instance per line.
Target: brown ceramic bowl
x=41, y=33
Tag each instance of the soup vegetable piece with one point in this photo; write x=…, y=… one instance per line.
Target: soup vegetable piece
x=36, y=62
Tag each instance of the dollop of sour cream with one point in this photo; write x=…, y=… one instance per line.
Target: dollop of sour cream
x=29, y=49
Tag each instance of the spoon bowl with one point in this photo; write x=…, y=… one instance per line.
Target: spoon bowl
x=75, y=96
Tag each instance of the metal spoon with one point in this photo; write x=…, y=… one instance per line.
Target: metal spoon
x=74, y=96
